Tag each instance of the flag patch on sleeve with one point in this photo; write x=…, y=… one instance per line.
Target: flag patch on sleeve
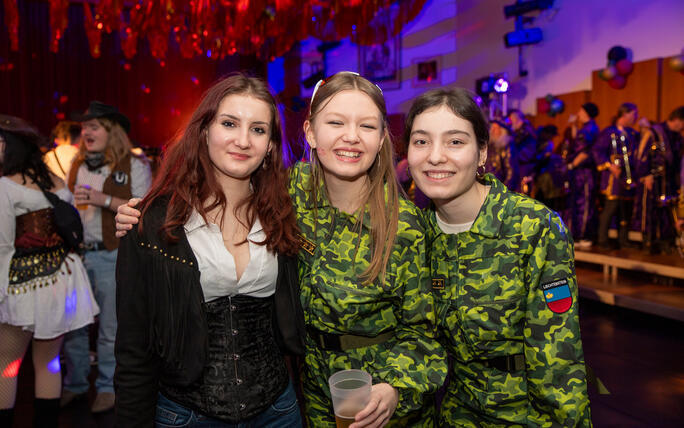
x=557, y=295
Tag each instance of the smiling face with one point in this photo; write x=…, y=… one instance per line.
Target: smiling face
x=239, y=136
x=94, y=136
x=443, y=154
x=347, y=134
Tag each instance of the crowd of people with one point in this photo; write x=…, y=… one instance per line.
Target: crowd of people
x=626, y=176
x=230, y=285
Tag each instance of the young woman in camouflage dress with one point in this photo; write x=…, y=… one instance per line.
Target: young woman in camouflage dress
x=363, y=268
x=503, y=279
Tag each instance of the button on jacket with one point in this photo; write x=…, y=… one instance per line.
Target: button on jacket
x=509, y=288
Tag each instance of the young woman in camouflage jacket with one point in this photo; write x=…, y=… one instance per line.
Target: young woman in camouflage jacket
x=503, y=278
x=363, y=265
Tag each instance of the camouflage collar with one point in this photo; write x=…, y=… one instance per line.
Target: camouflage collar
x=322, y=203
x=490, y=218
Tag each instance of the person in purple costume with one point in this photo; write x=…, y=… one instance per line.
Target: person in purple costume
x=658, y=163
x=581, y=167
x=614, y=155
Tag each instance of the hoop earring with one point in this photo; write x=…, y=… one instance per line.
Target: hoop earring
x=481, y=171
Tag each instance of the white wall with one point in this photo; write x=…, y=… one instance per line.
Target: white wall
x=577, y=37
x=468, y=37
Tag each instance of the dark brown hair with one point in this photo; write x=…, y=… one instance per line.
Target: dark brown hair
x=187, y=176
x=461, y=103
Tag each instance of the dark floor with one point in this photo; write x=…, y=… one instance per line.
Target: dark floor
x=639, y=357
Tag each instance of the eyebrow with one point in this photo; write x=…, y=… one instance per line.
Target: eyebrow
x=334, y=113
x=237, y=119
x=449, y=132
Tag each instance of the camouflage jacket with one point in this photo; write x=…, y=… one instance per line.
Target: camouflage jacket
x=507, y=286
x=335, y=300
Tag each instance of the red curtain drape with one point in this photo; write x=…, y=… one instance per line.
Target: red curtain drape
x=42, y=86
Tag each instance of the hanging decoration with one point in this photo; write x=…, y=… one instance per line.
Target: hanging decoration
x=551, y=105
x=93, y=30
x=216, y=28
x=12, y=22
x=59, y=19
x=618, y=68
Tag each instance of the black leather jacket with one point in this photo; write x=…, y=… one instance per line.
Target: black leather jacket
x=163, y=337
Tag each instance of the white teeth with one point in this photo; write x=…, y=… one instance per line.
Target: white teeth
x=347, y=154
x=439, y=175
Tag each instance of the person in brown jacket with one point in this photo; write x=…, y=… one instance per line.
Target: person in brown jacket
x=104, y=175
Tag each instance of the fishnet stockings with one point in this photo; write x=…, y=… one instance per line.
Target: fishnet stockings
x=48, y=378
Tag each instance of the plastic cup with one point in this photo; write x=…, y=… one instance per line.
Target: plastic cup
x=350, y=391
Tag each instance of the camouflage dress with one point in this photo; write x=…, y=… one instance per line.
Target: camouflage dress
x=506, y=292
x=335, y=301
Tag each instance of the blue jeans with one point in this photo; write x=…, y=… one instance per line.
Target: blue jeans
x=101, y=267
x=283, y=413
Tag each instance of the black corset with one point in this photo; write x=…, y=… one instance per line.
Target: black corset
x=245, y=371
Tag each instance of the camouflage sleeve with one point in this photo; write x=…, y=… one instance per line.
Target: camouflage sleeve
x=554, y=359
x=417, y=363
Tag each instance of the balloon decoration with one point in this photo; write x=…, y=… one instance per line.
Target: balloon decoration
x=624, y=67
x=551, y=105
x=617, y=82
x=216, y=28
x=618, y=68
x=676, y=63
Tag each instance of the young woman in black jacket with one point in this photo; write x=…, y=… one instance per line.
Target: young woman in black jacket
x=196, y=342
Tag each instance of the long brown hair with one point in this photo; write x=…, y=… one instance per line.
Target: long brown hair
x=187, y=176
x=118, y=143
x=383, y=206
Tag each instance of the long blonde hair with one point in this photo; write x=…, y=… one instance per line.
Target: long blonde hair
x=118, y=143
x=382, y=205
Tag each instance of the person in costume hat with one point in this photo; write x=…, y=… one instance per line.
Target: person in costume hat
x=104, y=174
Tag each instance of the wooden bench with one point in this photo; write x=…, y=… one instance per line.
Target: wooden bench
x=636, y=260
x=633, y=279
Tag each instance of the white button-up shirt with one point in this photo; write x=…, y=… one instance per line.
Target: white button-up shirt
x=217, y=265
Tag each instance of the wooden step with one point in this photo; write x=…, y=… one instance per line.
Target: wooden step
x=669, y=265
x=634, y=292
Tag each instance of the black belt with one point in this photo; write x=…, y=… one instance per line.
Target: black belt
x=94, y=246
x=343, y=342
x=506, y=363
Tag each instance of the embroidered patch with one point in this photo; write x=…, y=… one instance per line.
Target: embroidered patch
x=120, y=178
x=306, y=245
x=557, y=295
x=437, y=284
